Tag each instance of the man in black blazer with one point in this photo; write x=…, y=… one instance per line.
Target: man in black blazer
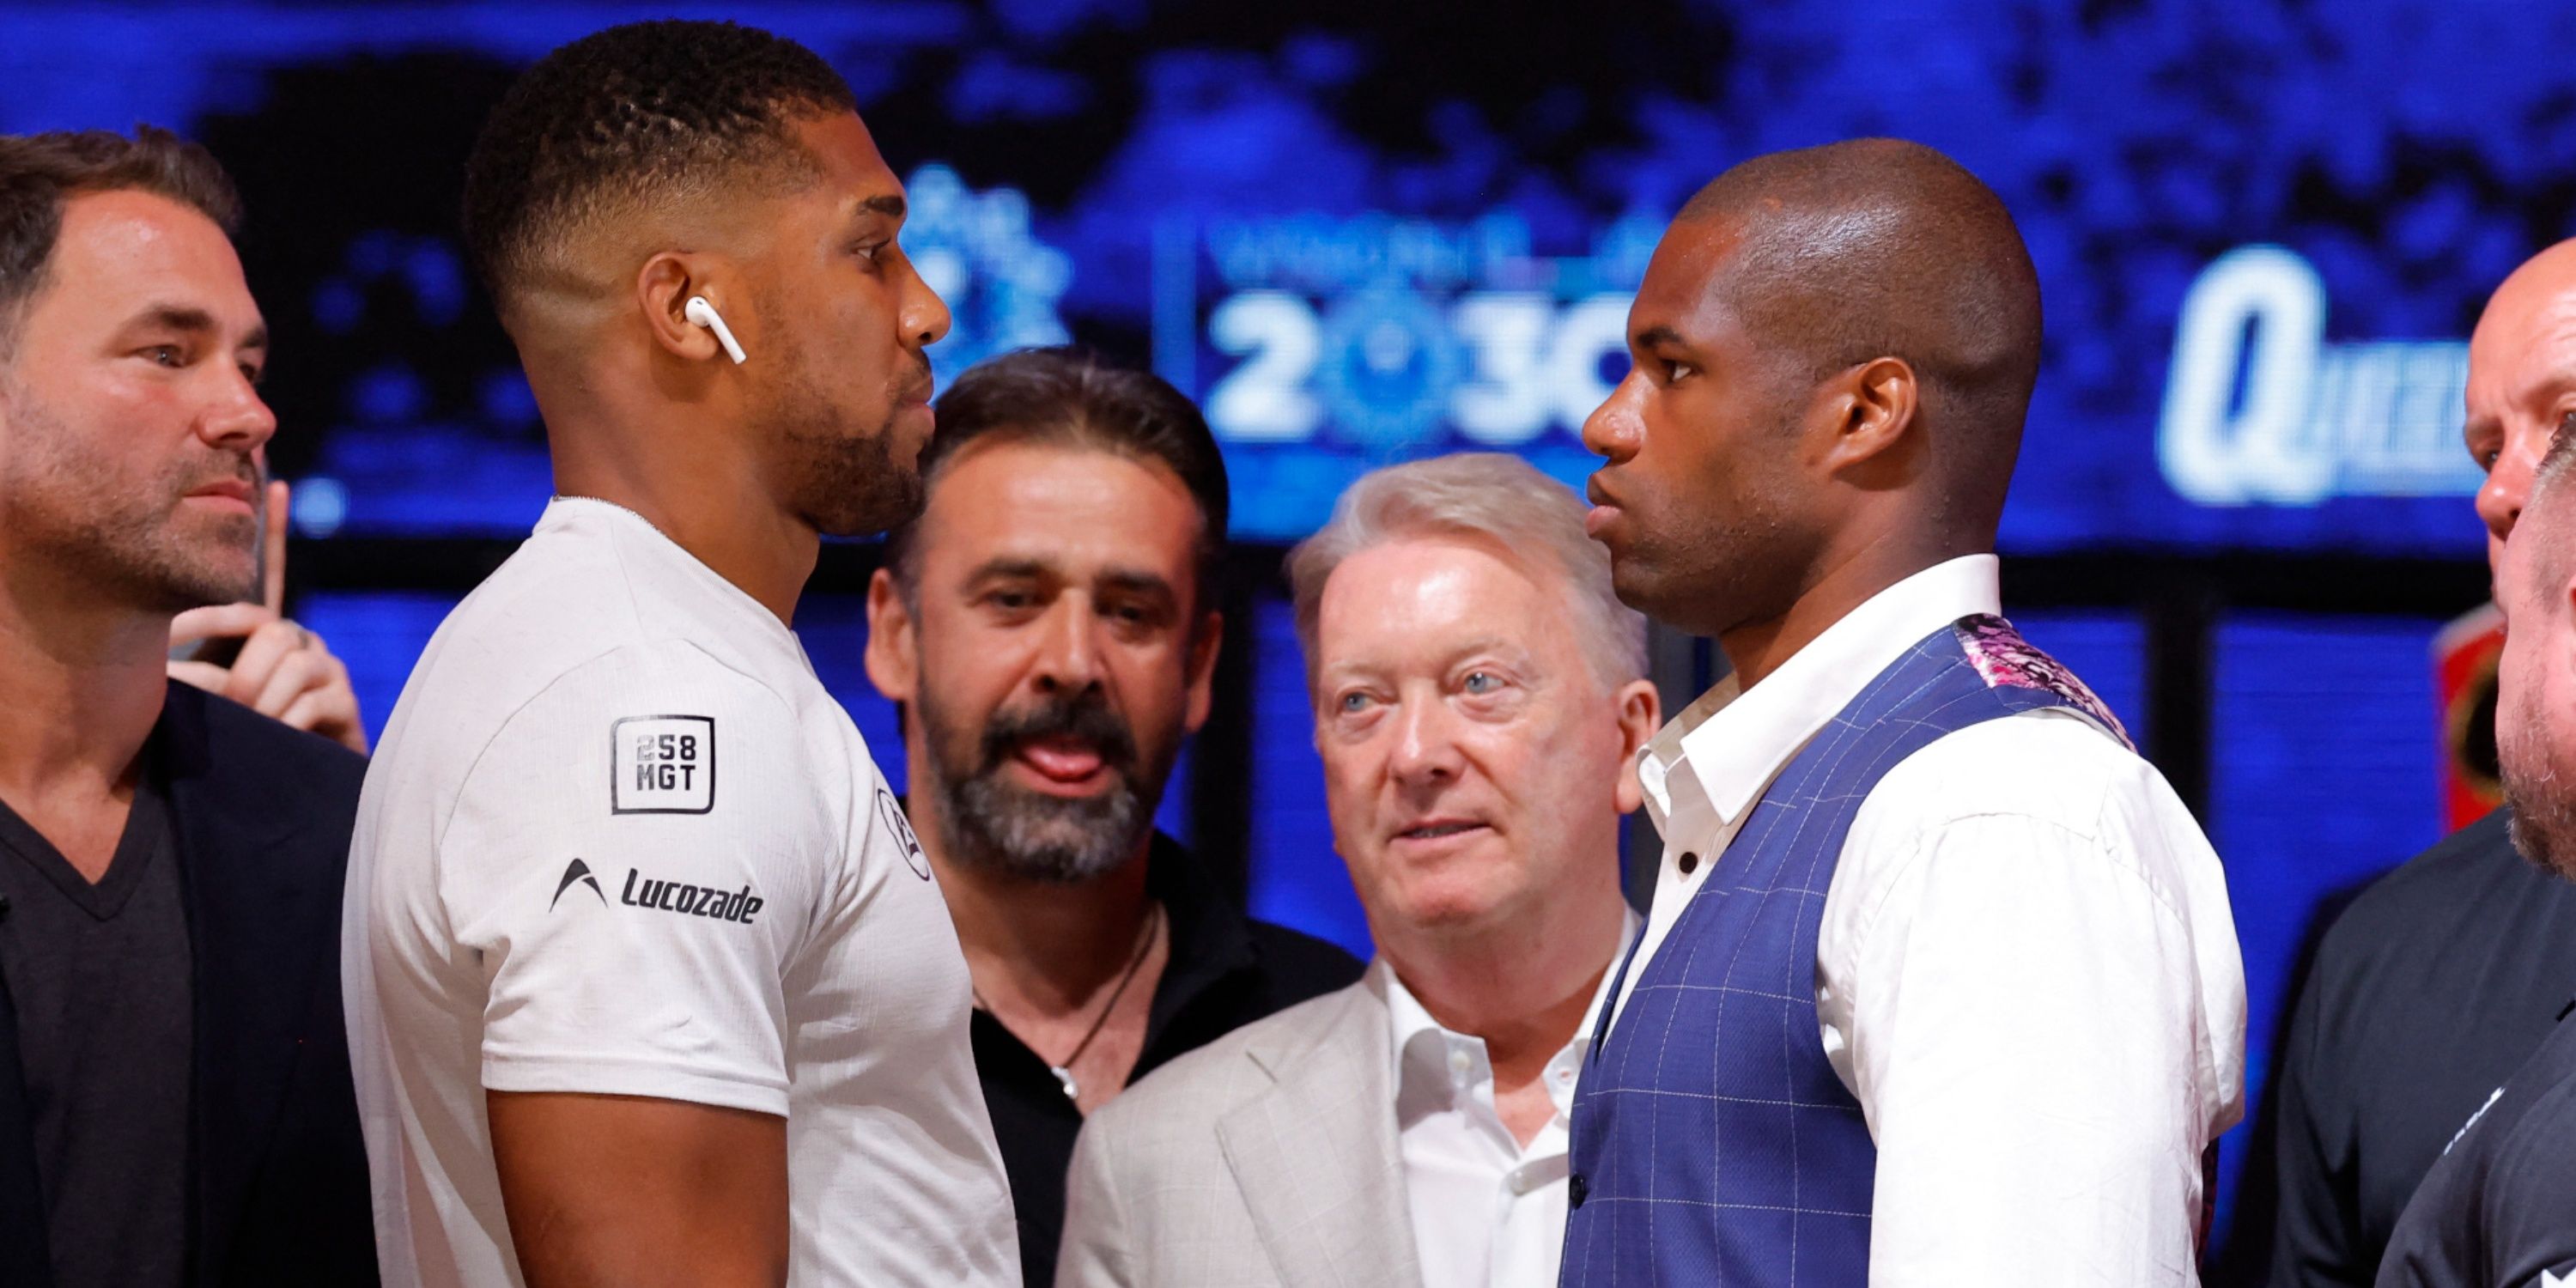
x=175, y=1098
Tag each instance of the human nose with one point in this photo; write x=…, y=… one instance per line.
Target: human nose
x=1426, y=744
x=1068, y=660
x=1615, y=428
x=236, y=418
x=2508, y=485
x=924, y=315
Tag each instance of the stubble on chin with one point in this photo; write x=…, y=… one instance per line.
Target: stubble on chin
x=846, y=484
x=59, y=501
x=2543, y=825
x=159, y=558
x=2539, y=832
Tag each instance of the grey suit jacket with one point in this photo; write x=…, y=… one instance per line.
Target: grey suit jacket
x=1265, y=1159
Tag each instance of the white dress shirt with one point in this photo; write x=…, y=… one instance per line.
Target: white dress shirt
x=2027, y=971
x=1487, y=1212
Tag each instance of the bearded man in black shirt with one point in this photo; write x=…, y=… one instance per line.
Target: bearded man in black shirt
x=1049, y=625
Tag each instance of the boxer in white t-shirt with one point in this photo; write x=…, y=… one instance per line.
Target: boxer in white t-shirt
x=647, y=979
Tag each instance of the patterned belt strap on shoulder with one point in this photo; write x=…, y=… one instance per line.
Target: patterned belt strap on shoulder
x=2004, y=659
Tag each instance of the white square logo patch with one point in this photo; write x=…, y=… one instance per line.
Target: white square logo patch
x=662, y=765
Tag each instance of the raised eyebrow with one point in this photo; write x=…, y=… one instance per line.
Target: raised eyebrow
x=176, y=317
x=1136, y=581
x=1501, y=652
x=192, y=320
x=1333, y=675
x=1008, y=567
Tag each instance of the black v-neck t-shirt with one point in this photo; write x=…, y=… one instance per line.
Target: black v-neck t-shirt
x=99, y=977
x=2499, y=1209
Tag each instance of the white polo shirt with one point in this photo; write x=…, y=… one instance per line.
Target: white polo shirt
x=618, y=839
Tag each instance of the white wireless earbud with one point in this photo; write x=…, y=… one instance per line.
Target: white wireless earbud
x=704, y=314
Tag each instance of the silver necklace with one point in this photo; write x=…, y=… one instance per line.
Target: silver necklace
x=1064, y=1072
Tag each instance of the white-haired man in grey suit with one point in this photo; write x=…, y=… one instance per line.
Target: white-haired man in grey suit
x=1479, y=708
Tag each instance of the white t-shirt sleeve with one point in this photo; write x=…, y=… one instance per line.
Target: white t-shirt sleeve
x=2039, y=1010
x=634, y=859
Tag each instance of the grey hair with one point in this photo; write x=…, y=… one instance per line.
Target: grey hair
x=1500, y=498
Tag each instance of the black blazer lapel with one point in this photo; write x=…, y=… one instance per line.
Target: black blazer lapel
x=24, y=1255
x=263, y=917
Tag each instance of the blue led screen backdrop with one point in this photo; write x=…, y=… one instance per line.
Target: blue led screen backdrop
x=1363, y=231
x=1358, y=230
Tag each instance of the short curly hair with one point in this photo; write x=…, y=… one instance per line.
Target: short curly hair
x=633, y=116
x=41, y=173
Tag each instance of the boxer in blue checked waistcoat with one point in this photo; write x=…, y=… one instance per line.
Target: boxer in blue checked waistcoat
x=1939, y=985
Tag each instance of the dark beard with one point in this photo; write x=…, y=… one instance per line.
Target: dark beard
x=841, y=483
x=852, y=486
x=992, y=823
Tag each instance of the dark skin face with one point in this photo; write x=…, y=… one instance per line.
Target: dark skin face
x=852, y=408
x=834, y=320
x=1744, y=497
x=1698, y=499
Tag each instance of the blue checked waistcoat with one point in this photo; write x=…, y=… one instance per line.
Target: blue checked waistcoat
x=1713, y=1145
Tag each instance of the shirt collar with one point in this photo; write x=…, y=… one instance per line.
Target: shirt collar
x=1732, y=740
x=635, y=536
x=1411, y=1024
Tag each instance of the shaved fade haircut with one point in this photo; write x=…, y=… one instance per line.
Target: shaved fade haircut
x=41, y=173
x=1883, y=248
x=628, y=120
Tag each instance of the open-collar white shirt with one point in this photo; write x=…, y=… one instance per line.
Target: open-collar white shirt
x=1487, y=1212
x=2026, y=974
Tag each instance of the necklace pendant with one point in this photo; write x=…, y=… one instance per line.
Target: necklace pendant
x=1065, y=1076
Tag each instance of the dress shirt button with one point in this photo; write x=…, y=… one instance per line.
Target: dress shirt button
x=1690, y=862
x=1458, y=1063
x=1520, y=1179
x=1575, y=1189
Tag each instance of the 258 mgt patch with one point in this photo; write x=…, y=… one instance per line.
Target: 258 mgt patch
x=662, y=765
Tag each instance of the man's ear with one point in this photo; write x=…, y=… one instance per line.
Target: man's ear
x=1641, y=712
x=894, y=648
x=663, y=288
x=1205, y=643
x=1870, y=409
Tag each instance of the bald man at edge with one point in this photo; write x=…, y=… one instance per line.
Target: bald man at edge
x=2447, y=973
x=1939, y=985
